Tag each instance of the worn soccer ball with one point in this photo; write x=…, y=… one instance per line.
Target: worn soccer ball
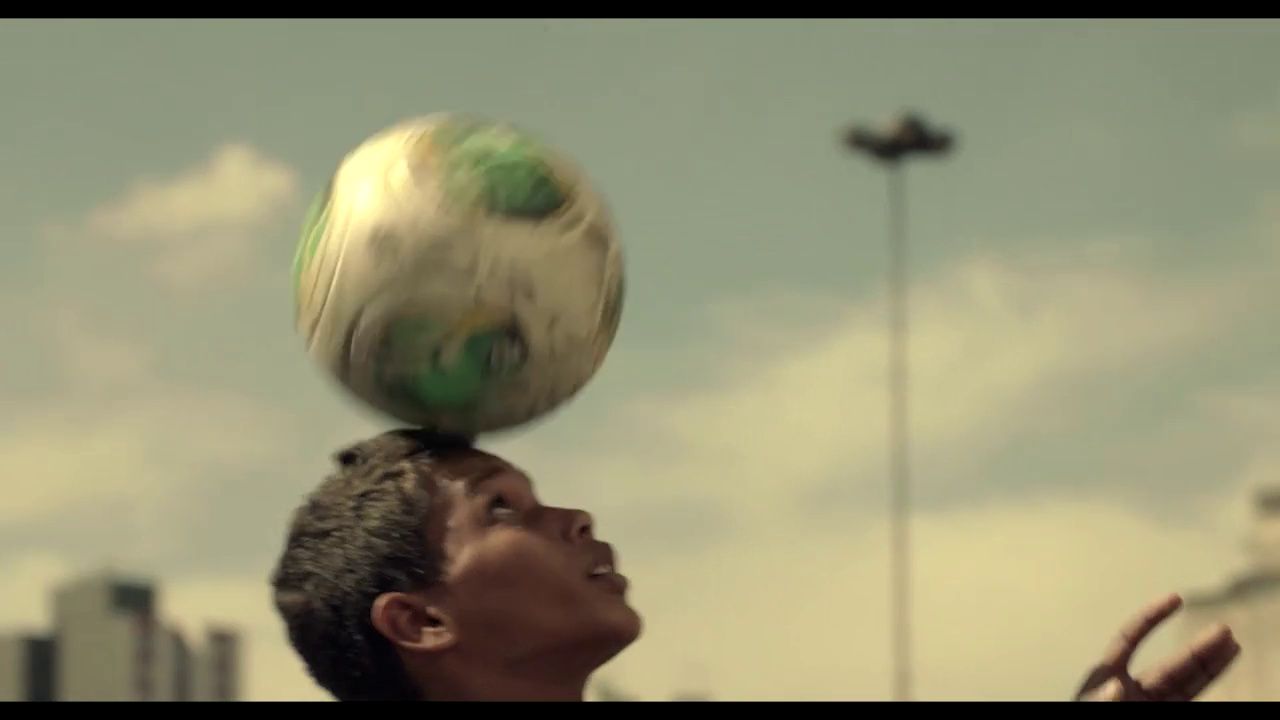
x=459, y=275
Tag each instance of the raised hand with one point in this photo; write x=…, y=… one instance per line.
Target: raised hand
x=1182, y=677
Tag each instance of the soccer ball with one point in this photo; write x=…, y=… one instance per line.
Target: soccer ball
x=459, y=275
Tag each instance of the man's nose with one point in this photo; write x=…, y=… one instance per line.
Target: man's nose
x=573, y=526
x=581, y=527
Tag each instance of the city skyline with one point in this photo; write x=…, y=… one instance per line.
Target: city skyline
x=110, y=641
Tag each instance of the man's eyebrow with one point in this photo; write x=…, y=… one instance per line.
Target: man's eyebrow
x=475, y=482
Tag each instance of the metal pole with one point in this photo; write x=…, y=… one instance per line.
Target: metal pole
x=899, y=467
x=908, y=135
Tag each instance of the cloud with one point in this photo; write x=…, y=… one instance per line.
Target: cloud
x=118, y=463
x=749, y=586
x=130, y=471
x=1256, y=130
x=124, y=467
x=29, y=578
x=1251, y=412
x=1270, y=223
x=92, y=361
x=1012, y=601
x=777, y=597
x=199, y=225
x=1250, y=408
x=1000, y=349
x=236, y=187
x=135, y=459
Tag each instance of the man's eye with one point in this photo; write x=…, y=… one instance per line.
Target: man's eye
x=500, y=509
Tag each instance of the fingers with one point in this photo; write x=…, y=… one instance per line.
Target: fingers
x=1188, y=673
x=1092, y=687
x=1132, y=635
x=1112, y=689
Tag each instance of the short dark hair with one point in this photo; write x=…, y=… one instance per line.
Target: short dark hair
x=360, y=534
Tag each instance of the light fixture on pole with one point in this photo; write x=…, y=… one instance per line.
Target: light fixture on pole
x=906, y=137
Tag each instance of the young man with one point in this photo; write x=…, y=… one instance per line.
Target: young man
x=425, y=569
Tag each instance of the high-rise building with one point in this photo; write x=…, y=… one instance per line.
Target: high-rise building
x=1250, y=604
x=106, y=632
x=216, y=670
x=26, y=668
x=108, y=644
x=173, y=667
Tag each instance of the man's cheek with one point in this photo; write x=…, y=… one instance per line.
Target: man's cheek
x=509, y=563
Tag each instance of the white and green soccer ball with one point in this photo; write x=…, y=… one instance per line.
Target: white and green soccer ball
x=459, y=275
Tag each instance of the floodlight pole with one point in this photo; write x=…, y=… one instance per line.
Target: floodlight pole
x=899, y=457
x=891, y=150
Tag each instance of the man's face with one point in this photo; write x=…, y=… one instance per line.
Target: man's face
x=523, y=582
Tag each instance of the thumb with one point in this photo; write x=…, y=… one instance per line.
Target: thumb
x=1095, y=681
x=1113, y=690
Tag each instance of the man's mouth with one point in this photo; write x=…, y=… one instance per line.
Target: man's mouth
x=609, y=580
x=604, y=572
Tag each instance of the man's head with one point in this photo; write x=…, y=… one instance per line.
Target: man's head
x=426, y=569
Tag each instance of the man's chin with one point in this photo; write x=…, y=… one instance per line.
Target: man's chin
x=627, y=628
x=635, y=625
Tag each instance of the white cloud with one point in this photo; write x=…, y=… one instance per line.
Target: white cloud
x=1014, y=598
x=1013, y=601
x=142, y=452
x=122, y=443
x=117, y=433
x=202, y=224
x=1258, y=130
x=93, y=361
x=1254, y=413
x=29, y=578
x=806, y=402
x=236, y=187
x=1270, y=223
x=1253, y=409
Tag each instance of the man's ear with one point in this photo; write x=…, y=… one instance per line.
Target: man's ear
x=410, y=623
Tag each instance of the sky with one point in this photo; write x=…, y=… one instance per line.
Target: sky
x=1093, y=296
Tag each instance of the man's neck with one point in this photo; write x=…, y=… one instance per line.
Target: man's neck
x=496, y=685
